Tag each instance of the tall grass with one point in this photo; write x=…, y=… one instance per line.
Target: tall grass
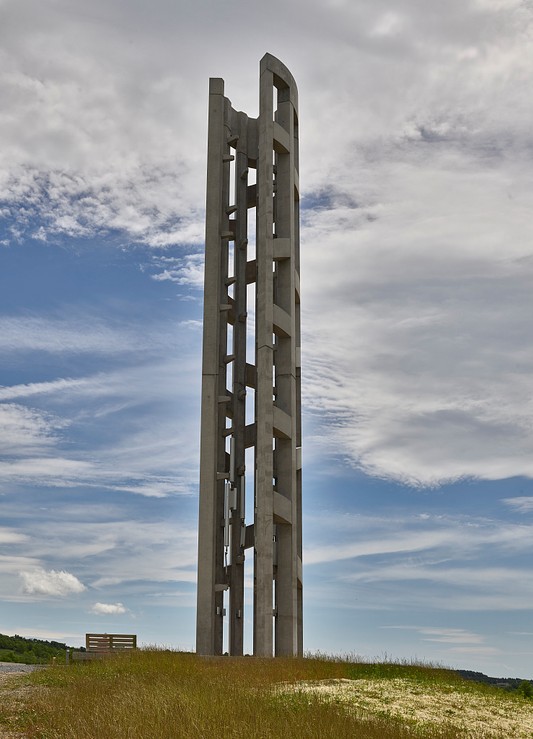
x=168, y=695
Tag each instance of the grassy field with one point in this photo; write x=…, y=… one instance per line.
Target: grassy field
x=154, y=694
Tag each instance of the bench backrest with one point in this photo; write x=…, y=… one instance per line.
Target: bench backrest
x=109, y=642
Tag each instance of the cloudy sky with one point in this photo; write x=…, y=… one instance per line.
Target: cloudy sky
x=417, y=267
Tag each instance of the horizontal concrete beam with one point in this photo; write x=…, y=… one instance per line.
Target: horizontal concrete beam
x=281, y=248
x=281, y=321
x=282, y=509
x=282, y=423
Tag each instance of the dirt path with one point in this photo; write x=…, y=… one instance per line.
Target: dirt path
x=13, y=696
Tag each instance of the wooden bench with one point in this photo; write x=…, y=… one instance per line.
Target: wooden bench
x=99, y=645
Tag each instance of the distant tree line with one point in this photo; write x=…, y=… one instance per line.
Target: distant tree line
x=516, y=684
x=30, y=651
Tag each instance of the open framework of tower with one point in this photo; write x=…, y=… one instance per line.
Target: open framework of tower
x=250, y=455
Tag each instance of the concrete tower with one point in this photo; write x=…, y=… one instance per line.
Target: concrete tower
x=250, y=456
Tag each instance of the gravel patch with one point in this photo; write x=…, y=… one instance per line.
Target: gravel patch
x=479, y=716
x=18, y=668
x=13, y=696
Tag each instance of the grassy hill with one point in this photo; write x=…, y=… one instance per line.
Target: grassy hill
x=30, y=651
x=169, y=695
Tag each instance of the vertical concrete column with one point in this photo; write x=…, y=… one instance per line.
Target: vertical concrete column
x=264, y=463
x=298, y=374
x=239, y=138
x=285, y=364
x=209, y=599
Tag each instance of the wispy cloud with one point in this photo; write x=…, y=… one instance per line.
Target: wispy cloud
x=522, y=504
x=421, y=393
x=443, y=634
x=107, y=555
x=450, y=636
x=453, y=642
x=154, y=456
x=430, y=562
x=465, y=577
x=26, y=430
x=50, y=470
x=27, y=390
x=86, y=334
x=11, y=536
x=188, y=270
x=481, y=651
x=362, y=536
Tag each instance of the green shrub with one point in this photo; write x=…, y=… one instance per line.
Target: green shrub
x=525, y=689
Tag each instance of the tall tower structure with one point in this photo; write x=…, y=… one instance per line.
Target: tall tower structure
x=250, y=456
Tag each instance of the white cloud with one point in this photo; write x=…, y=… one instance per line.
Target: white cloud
x=422, y=376
x=188, y=270
x=51, y=582
x=432, y=378
x=85, y=167
x=389, y=24
x=108, y=609
x=123, y=548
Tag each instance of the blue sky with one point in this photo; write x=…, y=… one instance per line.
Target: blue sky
x=417, y=266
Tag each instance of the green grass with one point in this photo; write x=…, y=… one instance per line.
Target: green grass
x=152, y=694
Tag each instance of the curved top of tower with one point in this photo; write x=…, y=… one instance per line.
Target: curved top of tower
x=283, y=79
